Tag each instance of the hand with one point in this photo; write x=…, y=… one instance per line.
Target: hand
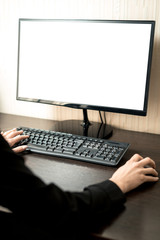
x=135, y=172
x=12, y=137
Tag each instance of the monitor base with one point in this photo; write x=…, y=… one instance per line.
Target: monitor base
x=93, y=129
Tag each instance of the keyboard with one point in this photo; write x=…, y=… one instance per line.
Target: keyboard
x=81, y=148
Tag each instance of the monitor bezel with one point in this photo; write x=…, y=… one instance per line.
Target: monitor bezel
x=95, y=107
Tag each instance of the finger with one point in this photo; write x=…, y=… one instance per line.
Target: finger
x=14, y=134
x=9, y=131
x=147, y=161
x=136, y=158
x=20, y=149
x=151, y=179
x=151, y=171
x=17, y=139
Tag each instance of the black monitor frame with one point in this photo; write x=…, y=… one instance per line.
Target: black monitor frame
x=94, y=107
x=91, y=107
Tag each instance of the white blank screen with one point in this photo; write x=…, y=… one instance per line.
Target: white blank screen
x=91, y=63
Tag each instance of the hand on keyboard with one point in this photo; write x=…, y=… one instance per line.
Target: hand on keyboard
x=13, y=137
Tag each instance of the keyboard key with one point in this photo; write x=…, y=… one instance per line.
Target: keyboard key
x=68, y=152
x=58, y=150
x=35, y=146
x=98, y=157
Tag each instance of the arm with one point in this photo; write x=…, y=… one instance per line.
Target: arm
x=31, y=199
x=36, y=203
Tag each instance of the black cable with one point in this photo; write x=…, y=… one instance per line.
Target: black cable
x=100, y=116
x=105, y=117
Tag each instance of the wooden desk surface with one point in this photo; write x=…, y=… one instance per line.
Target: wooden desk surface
x=141, y=217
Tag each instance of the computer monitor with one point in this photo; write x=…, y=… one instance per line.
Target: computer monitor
x=99, y=65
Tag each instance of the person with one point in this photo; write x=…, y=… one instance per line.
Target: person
x=41, y=211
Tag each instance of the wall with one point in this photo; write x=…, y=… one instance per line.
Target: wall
x=11, y=11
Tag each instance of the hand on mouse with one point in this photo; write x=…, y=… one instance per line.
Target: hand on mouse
x=133, y=173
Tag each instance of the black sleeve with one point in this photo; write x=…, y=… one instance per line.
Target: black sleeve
x=47, y=206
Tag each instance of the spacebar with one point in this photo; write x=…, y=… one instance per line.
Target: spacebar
x=36, y=147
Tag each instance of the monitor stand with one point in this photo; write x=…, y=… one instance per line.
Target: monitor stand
x=85, y=127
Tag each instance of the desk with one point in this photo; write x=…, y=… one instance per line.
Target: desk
x=141, y=217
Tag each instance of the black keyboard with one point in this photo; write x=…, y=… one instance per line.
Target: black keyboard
x=81, y=148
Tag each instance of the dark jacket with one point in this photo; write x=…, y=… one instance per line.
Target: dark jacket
x=40, y=211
